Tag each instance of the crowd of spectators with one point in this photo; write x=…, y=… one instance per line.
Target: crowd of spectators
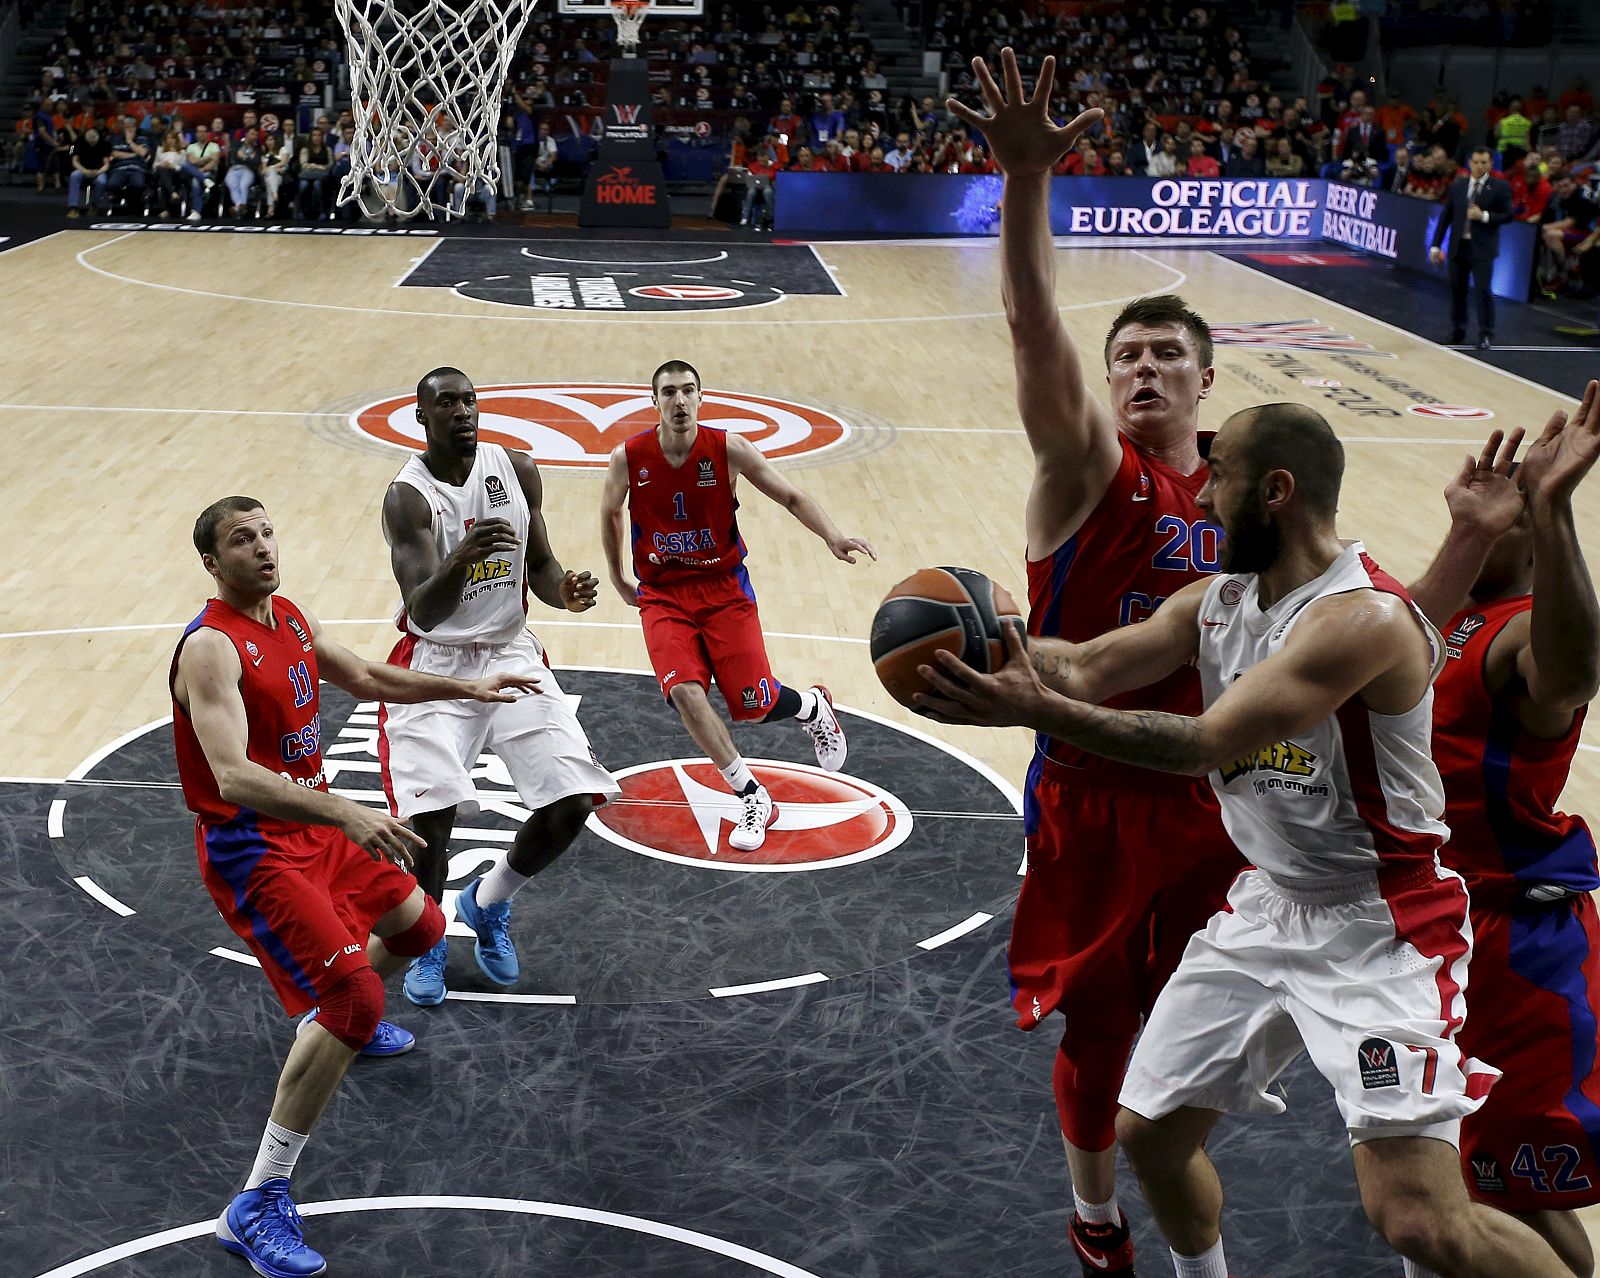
x=785, y=87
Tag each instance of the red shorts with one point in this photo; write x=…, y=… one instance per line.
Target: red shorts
x=1533, y=1008
x=1118, y=881
x=303, y=900
x=700, y=630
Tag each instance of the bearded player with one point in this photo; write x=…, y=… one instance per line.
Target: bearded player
x=693, y=593
x=1124, y=865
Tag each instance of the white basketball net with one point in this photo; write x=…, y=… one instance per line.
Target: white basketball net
x=426, y=79
x=629, y=18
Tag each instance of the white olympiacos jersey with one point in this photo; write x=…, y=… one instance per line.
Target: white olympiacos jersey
x=494, y=602
x=1353, y=795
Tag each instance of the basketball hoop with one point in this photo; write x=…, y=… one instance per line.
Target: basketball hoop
x=629, y=17
x=426, y=77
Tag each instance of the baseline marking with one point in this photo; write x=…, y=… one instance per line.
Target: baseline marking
x=449, y=1202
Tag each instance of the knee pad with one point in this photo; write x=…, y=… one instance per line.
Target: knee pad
x=1086, y=1080
x=421, y=936
x=351, y=1010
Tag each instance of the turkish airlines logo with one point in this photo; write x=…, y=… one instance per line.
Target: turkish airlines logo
x=688, y=292
x=681, y=811
x=566, y=424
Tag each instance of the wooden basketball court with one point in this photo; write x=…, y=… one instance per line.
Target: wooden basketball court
x=148, y=374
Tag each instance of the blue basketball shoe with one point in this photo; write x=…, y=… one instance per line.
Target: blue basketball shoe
x=497, y=956
x=263, y=1226
x=424, y=984
x=387, y=1040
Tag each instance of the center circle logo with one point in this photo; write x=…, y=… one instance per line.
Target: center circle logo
x=681, y=811
x=910, y=848
x=578, y=424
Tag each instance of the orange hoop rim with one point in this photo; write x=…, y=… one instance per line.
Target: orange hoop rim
x=630, y=6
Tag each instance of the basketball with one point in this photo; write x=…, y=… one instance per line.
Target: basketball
x=955, y=610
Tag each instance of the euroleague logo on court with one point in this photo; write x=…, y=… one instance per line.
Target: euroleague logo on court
x=680, y=810
x=578, y=424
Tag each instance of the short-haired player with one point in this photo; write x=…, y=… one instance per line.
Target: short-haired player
x=675, y=485
x=311, y=882
x=467, y=542
x=1123, y=866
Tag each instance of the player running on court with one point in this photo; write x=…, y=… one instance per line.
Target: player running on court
x=1123, y=866
x=1348, y=940
x=1510, y=591
x=465, y=525
x=693, y=593
x=310, y=882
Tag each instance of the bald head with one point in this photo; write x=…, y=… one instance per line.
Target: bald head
x=1294, y=438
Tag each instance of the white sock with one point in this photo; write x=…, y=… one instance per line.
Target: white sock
x=280, y=1148
x=809, y=701
x=1414, y=1270
x=738, y=775
x=500, y=883
x=1106, y=1213
x=1209, y=1265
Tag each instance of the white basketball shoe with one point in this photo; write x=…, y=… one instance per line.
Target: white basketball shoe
x=759, y=811
x=826, y=732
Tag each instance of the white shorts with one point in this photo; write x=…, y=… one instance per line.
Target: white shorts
x=430, y=751
x=1370, y=984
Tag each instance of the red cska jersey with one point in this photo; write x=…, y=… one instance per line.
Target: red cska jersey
x=279, y=687
x=684, y=518
x=1145, y=540
x=1501, y=783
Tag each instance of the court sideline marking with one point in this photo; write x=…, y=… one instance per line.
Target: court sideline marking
x=566, y=318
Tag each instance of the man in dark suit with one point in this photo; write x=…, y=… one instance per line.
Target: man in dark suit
x=1366, y=134
x=1474, y=208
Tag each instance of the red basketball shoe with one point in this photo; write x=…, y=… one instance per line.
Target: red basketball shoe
x=1103, y=1249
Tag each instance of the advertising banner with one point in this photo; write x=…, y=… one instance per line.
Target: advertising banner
x=1205, y=210
x=1400, y=229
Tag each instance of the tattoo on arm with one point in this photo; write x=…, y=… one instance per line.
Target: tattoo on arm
x=1053, y=668
x=1147, y=738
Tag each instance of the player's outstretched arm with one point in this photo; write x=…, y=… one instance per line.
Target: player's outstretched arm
x=208, y=687
x=1047, y=670
x=613, y=515
x=1484, y=501
x=555, y=585
x=1561, y=664
x=1071, y=431
x=379, y=681
x=431, y=586
x=744, y=458
x=1360, y=642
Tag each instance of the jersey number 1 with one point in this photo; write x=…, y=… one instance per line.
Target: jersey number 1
x=678, y=512
x=300, y=677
